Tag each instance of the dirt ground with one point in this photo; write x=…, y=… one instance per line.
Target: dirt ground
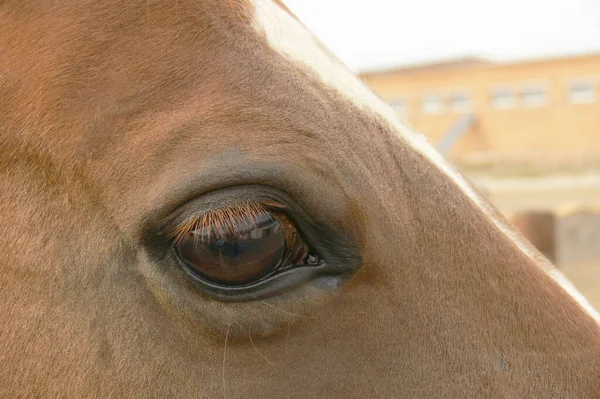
x=556, y=192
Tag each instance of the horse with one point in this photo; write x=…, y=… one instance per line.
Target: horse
x=199, y=200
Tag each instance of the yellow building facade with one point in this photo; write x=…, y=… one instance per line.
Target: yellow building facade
x=543, y=111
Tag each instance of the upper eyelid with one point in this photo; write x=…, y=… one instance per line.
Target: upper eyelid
x=222, y=217
x=155, y=229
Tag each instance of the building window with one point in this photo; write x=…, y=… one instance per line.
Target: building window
x=582, y=93
x=432, y=104
x=503, y=98
x=399, y=106
x=533, y=96
x=460, y=102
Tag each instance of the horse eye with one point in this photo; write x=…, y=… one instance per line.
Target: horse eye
x=241, y=246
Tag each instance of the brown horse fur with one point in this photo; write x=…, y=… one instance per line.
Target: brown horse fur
x=116, y=115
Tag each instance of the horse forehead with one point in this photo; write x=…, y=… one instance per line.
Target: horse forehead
x=289, y=37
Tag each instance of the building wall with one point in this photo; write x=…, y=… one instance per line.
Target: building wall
x=557, y=131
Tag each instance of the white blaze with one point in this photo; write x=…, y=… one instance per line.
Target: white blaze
x=293, y=40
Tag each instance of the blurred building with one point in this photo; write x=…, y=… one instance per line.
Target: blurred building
x=542, y=111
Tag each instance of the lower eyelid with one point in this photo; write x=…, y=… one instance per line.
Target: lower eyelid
x=207, y=314
x=285, y=281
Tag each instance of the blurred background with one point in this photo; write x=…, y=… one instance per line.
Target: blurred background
x=509, y=91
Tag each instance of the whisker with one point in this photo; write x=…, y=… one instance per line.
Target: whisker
x=257, y=314
x=224, y=358
x=286, y=312
x=287, y=339
x=259, y=352
x=249, y=336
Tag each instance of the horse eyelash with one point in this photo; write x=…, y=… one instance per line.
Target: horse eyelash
x=220, y=222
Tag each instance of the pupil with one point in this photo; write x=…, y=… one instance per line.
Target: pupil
x=229, y=249
x=244, y=252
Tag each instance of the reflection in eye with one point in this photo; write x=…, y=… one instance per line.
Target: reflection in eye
x=240, y=245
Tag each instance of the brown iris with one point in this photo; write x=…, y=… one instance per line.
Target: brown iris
x=239, y=245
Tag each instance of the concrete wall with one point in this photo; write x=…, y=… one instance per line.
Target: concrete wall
x=563, y=236
x=556, y=131
x=578, y=236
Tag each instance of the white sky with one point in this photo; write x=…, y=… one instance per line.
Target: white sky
x=367, y=34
